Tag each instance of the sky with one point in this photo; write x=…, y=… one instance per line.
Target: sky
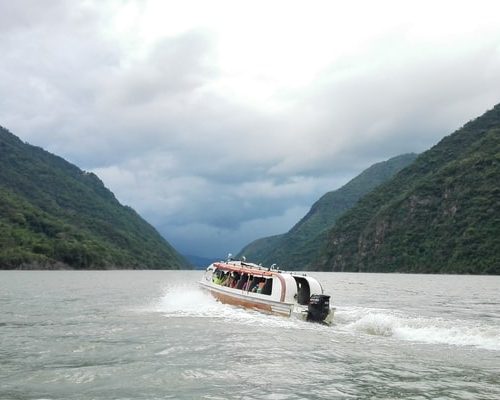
x=221, y=122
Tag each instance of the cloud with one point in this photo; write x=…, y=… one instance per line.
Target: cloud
x=219, y=241
x=221, y=127
x=172, y=68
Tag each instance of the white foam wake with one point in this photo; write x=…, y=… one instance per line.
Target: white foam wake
x=420, y=329
x=187, y=301
x=190, y=301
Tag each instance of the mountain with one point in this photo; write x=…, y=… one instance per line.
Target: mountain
x=439, y=215
x=54, y=215
x=301, y=244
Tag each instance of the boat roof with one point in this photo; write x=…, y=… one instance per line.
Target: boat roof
x=249, y=268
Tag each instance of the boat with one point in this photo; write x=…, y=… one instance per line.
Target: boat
x=268, y=289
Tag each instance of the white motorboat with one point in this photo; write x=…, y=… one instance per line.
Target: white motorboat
x=268, y=289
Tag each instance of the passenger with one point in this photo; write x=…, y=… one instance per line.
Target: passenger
x=219, y=277
x=216, y=277
x=230, y=280
x=260, y=286
x=241, y=281
x=251, y=282
x=224, y=279
x=235, y=280
x=246, y=286
x=253, y=286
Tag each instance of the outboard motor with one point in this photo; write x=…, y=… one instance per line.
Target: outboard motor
x=319, y=307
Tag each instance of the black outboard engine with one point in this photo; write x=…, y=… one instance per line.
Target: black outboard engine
x=319, y=307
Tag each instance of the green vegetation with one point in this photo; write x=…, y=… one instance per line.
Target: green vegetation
x=54, y=215
x=439, y=215
x=302, y=243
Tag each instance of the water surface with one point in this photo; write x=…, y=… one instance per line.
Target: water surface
x=155, y=335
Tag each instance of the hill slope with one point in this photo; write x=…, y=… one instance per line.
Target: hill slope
x=54, y=215
x=301, y=244
x=439, y=215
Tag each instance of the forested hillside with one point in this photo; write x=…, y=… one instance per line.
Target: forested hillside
x=439, y=215
x=54, y=215
x=301, y=244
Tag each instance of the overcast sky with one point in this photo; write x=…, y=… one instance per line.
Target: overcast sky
x=223, y=121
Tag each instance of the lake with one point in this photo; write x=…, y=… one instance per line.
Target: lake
x=156, y=335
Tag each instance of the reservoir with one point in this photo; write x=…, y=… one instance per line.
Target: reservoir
x=156, y=335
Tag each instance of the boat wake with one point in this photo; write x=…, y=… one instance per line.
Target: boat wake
x=189, y=301
x=418, y=329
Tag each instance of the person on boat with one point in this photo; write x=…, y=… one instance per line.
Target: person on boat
x=216, y=277
x=219, y=277
x=246, y=286
x=224, y=279
x=257, y=284
x=236, y=278
x=260, y=286
x=242, y=281
x=230, y=279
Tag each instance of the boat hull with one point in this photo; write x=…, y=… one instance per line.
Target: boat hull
x=242, y=299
